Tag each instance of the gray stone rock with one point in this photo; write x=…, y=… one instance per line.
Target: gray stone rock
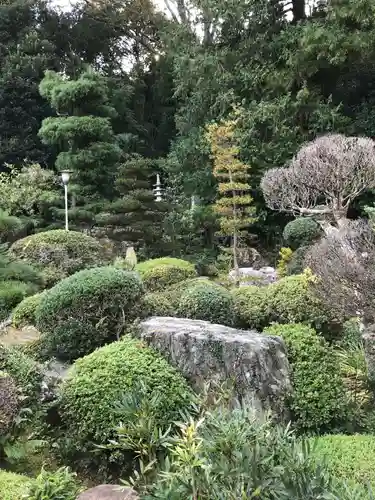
x=109, y=492
x=251, y=276
x=53, y=374
x=256, y=364
x=368, y=338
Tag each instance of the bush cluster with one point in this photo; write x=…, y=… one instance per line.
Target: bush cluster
x=159, y=274
x=59, y=253
x=24, y=313
x=11, y=294
x=97, y=381
x=13, y=486
x=318, y=400
x=87, y=310
x=301, y=232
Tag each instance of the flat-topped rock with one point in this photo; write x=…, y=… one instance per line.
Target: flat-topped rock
x=109, y=492
x=256, y=364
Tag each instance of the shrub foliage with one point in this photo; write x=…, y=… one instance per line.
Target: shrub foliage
x=11, y=294
x=300, y=232
x=24, y=313
x=159, y=274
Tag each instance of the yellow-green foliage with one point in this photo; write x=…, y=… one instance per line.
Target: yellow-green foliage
x=159, y=274
x=13, y=486
x=24, y=313
x=285, y=255
x=349, y=457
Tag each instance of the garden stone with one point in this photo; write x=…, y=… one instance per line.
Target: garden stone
x=368, y=338
x=204, y=352
x=109, y=492
x=251, y=276
x=54, y=374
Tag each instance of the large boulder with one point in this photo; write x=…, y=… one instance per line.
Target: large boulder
x=203, y=352
x=109, y=492
x=249, y=276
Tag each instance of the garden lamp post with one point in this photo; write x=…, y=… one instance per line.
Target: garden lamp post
x=65, y=177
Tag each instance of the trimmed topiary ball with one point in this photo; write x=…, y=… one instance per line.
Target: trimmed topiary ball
x=301, y=232
x=318, y=400
x=250, y=306
x=11, y=294
x=24, y=313
x=86, y=311
x=159, y=274
x=207, y=302
x=59, y=253
x=9, y=402
x=157, y=304
x=97, y=381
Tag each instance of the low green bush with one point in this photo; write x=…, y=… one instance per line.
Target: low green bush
x=13, y=486
x=318, y=400
x=11, y=294
x=24, y=313
x=348, y=457
x=57, y=485
x=26, y=373
x=86, y=311
x=207, y=302
x=300, y=232
x=89, y=393
x=59, y=253
x=159, y=274
x=157, y=304
x=251, y=307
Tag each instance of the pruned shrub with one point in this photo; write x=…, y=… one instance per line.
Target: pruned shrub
x=318, y=400
x=157, y=304
x=300, y=232
x=207, y=302
x=89, y=393
x=24, y=313
x=86, y=311
x=159, y=274
x=13, y=486
x=59, y=253
x=9, y=402
x=11, y=294
x=251, y=307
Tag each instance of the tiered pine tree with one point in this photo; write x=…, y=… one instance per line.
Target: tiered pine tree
x=83, y=135
x=234, y=202
x=136, y=217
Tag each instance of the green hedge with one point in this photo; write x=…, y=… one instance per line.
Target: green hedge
x=24, y=313
x=59, y=253
x=11, y=294
x=159, y=274
x=300, y=232
x=348, y=457
x=13, y=486
x=157, y=304
x=318, y=401
x=97, y=381
x=87, y=310
x=207, y=302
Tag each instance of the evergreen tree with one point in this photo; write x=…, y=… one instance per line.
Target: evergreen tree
x=234, y=204
x=136, y=216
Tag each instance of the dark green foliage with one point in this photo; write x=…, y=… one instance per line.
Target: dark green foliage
x=157, y=304
x=11, y=294
x=301, y=232
x=296, y=265
x=9, y=402
x=318, y=400
x=87, y=310
x=59, y=253
x=207, y=302
x=89, y=394
x=159, y=274
x=24, y=371
x=251, y=307
x=24, y=313
x=58, y=485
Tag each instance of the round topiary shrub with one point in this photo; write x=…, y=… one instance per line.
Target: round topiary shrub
x=159, y=274
x=156, y=304
x=24, y=313
x=89, y=393
x=300, y=232
x=86, y=311
x=250, y=307
x=59, y=253
x=207, y=302
x=9, y=402
x=11, y=294
x=318, y=400
x=13, y=486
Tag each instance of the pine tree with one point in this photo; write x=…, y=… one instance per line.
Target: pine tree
x=234, y=204
x=136, y=216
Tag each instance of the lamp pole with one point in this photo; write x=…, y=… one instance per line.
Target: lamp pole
x=65, y=177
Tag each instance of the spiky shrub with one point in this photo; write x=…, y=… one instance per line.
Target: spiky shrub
x=13, y=486
x=24, y=313
x=301, y=232
x=86, y=311
x=59, y=253
x=207, y=302
x=11, y=294
x=318, y=400
x=97, y=381
x=159, y=274
x=9, y=402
